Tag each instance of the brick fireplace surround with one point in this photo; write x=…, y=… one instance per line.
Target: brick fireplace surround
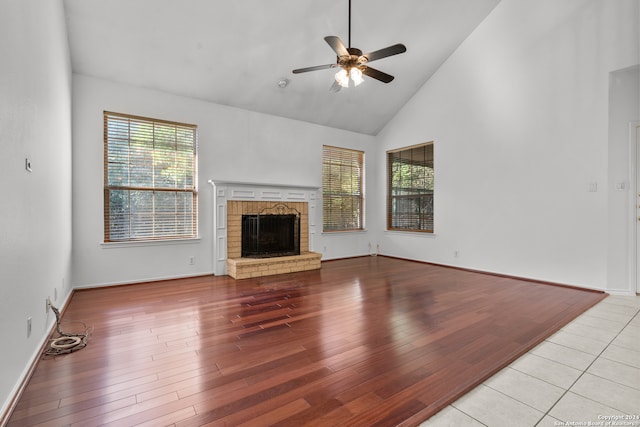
x=232, y=200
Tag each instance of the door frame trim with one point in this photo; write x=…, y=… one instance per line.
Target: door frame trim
x=634, y=141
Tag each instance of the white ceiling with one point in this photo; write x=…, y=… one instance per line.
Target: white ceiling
x=235, y=52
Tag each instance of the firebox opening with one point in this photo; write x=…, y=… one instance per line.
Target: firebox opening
x=270, y=235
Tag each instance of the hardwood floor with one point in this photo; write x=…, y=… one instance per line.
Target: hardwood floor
x=363, y=341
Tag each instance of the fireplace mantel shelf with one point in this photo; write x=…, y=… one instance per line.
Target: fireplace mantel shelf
x=216, y=182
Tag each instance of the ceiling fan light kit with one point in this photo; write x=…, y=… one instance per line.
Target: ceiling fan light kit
x=353, y=62
x=342, y=77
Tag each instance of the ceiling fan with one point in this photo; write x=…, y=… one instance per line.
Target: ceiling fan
x=353, y=62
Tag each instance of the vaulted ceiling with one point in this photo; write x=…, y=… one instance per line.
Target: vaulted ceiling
x=235, y=52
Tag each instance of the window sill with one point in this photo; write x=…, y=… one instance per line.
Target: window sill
x=142, y=243
x=412, y=233
x=342, y=232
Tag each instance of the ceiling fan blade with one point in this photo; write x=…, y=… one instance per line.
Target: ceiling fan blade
x=387, y=51
x=376, y=74
x=335, y=87
x=337, y=45
x=317, y=67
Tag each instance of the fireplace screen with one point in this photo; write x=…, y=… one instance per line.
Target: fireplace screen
x=270, y=235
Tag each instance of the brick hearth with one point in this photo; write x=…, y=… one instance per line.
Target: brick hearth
x=245, y=268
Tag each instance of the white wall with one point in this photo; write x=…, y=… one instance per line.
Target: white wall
x=35, y=208
x=235, y=145
x=519, y=116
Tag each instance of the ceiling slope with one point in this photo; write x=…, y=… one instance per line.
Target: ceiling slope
x=234, y=53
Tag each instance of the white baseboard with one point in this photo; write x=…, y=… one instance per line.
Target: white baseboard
x=151, y=279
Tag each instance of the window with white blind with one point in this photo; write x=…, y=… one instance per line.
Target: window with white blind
x=410, y=188
x=150, y=179
x=342, y=189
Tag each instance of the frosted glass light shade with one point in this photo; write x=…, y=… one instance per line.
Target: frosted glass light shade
x=342, y=78
x=356, y=76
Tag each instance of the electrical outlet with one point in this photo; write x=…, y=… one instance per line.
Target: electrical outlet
x=456, y=254
x=28, y=326
x=192, y=260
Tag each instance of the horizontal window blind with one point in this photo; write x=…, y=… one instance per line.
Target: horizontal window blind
x=150, y=179
x=342, y=189
x=410, y=188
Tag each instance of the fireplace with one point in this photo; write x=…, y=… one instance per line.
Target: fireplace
x=270, y=235
x=233, y=201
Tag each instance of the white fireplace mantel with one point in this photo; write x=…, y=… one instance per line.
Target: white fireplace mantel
x=224, y=191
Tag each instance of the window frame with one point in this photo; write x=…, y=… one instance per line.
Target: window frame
x=427, y=161
x=340, y=223
x=152, y=147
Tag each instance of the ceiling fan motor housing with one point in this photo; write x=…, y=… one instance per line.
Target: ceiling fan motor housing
x=354, y=59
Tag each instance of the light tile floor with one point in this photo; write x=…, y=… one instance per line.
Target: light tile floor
x=587, y=374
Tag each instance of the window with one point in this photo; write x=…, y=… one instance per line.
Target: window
x=410, y=189
x=150, y=179
x=342, y=189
